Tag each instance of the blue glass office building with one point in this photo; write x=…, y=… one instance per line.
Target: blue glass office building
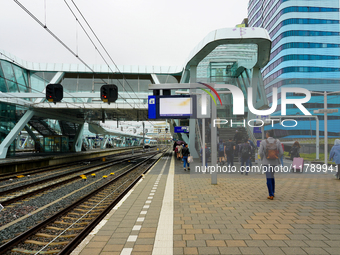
x=305, y=53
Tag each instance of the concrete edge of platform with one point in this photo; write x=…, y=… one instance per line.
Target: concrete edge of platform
x=17, y=165
x=102, y=223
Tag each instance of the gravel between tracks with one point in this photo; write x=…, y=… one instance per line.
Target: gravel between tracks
x=12, y=213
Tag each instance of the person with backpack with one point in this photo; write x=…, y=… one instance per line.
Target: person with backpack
x=220, y=151
x=270, y=152
x=245, y=154
x=207, y=154
x=229, y=152
x=252, y=145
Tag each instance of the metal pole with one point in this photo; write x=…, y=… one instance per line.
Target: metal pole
x=213, y=143
x=143, y=135
x=325, y=128
x=317, y=137
x=203, y=143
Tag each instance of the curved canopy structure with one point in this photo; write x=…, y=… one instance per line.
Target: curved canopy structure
x=243, y=35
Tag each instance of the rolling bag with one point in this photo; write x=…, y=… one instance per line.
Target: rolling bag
x=297, y=166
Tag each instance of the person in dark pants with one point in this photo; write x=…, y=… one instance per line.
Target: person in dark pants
x=270, y=152
x=245, y=154
x=229, y=151
x=185, y=155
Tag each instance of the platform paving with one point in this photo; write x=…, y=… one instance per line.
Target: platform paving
x=232, y=217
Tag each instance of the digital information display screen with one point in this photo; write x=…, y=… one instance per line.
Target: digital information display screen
x=175, y=106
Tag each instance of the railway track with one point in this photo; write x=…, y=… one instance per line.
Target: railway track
x=6, y=176
x=10, y=196
x=62, y=232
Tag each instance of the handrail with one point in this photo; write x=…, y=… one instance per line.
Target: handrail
x=198, y=132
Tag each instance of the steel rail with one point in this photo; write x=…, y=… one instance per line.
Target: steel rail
x=5, y=247
x=46, y=168
x=34, y=192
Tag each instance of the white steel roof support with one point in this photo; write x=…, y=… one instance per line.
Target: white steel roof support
x=14, y=133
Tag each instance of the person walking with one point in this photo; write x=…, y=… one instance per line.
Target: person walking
x=179, y=151
x=334, y=155
x=270, y=152
x=295, y=151
x=245, y=154
x=220, y=151
x=229, y=152
x=185, y=155
x=252, y=145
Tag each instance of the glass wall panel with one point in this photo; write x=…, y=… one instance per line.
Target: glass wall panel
x=9, y=75
x=144, y=85
x=37, y=83
x=85, y=84
x=166, y=78
x=3, y=86
x=70, y=84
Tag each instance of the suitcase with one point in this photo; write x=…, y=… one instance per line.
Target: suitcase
x=297, y=166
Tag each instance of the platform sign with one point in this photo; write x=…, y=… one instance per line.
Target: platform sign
x=257, y=130
x=152, y=107
x=258, y=143
x=183, y=129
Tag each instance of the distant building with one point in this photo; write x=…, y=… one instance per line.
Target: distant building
x=305, y=53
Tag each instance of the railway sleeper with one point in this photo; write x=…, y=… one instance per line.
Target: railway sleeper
x=80, y=214
x=70, y=223
x=54, y=236
x=75, y=218
x=81, y=210
x=86, y=206
x=62, y=229
x=18, y=250
x=45, y=243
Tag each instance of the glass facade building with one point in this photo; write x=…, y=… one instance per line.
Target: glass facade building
x=305, y=53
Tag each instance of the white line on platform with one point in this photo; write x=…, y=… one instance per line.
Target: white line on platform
x=164, y=235
x=126, y=251
x=132, y=238
x=136, y=227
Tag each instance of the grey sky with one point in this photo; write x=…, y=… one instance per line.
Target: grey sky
x=149, y=32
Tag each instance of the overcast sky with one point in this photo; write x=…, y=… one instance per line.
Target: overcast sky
x=134, y=32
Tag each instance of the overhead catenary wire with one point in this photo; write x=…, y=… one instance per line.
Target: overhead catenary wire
x=72, y=52
x=96, y=48
x=103, y=49
x=108, y=54
x=24, y=85
x=62, y=43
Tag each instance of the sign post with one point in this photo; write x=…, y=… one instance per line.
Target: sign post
x=325, y=111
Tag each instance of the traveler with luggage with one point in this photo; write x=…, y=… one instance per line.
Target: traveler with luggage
x=185, y=155
x=295, y=150
x=270, y=152
x=335, y=155
x=245, y=154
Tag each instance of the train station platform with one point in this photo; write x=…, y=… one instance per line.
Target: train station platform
x=172, y=211
x=35, y=160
